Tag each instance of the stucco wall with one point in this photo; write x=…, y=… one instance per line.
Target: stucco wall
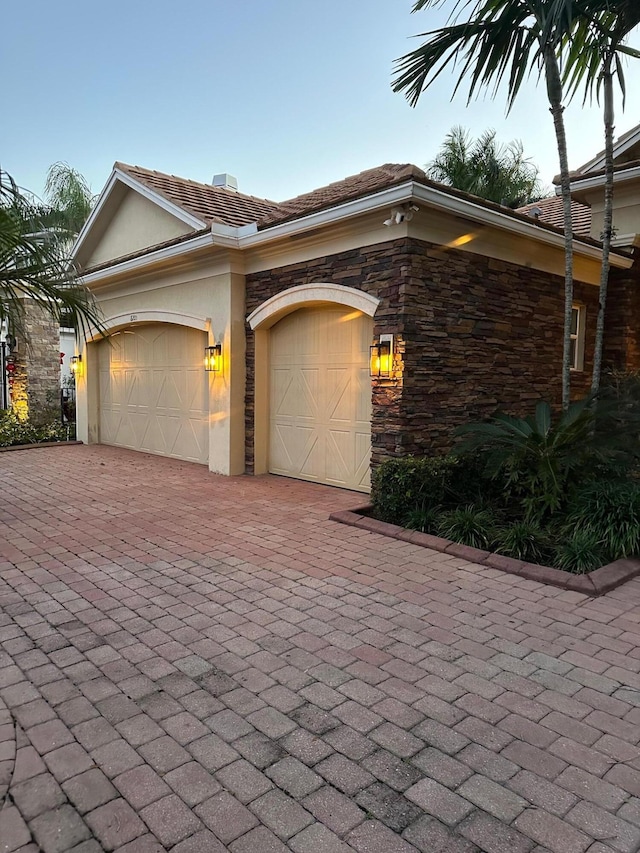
x=137, y=224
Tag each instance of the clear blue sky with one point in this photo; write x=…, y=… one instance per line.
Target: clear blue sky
x=286, y=95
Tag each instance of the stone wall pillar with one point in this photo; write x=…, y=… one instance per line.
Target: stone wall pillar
x=36, y=379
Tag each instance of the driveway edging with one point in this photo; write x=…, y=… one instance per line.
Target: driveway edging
x=594, y=584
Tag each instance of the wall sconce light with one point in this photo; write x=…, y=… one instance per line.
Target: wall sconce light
x=213, y=358
x=75, y=365
x=381, y=358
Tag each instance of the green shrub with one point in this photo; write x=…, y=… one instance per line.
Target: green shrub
x=468, y=525
x=423, y=519
x=540, y=459
x=400, y=487
x=611, y=511
x=523, y=540
x=580, y=553
x=14, y=431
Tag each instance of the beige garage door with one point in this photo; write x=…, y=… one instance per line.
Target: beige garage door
x=154, y=391
x=320, y=397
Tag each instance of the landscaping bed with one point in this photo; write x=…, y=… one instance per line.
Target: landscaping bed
x=43, y=429
x=596, y=582
x=554, y=497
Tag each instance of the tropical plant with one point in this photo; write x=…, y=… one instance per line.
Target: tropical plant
x=34, y=265
x=523, y=540
x=484, y=167
x=611, y=511
x=468, y=525
x=68, y=201
x=541, y=460
x=423, y=518
x=581, y=552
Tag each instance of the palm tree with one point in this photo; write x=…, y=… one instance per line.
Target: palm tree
x=604, y=25
x=68, y=198
x=34, y=265
x=485, y=168
x=502, y=41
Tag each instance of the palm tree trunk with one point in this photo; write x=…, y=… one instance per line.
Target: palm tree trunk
x=554, y=93
x=607, y=228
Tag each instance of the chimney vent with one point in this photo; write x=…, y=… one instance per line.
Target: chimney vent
x=226, y=181
x=534, y=212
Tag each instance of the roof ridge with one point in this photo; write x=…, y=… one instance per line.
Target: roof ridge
x=201, y=184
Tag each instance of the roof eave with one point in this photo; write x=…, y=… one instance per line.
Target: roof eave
x=247, y=236
x=620, y=176
x=439, y=199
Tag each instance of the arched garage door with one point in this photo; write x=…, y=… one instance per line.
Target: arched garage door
x=320, y=397
x=154, y=391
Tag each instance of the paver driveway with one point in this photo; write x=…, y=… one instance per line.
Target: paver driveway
x=197, y=663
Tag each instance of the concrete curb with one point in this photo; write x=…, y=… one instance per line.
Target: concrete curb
x=39, y=444
x=595, y=583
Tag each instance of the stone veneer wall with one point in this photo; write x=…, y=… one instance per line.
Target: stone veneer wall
x=474, y=335
x=622, y=333
x=37, y=375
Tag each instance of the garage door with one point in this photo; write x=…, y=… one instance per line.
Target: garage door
x=154, y=391
x=320, y=397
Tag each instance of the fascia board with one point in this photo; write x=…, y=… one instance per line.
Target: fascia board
x=159, y=256
x=391, y=196
x=625, y=240
x=588, y=183
x=435, y=199
x=618, y=149
x=486, y=216
x=95, y=213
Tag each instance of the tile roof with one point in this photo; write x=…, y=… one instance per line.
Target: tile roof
x=217, y=204
x=206, y=202
x=551, y=214
x=355, y=186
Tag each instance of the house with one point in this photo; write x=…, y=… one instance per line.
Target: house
x=461, y=298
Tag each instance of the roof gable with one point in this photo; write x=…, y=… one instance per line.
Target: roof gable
x=178, y=206
x=626, y=148
x=136, y=223
x=203, y=201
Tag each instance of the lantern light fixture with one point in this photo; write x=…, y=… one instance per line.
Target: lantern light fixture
x=213, y=358
x=381, y=358
x=75, y=365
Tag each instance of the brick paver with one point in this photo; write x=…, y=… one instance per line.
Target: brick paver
x=190, y=662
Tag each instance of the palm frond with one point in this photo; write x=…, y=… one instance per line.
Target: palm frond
x=34, y=265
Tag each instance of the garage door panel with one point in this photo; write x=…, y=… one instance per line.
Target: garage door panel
x=340, y=391
x=295, y=393
x=362, y=400
x=294, y=446
x=362, y=474
x=154, y=392
x=320, y=410
x=338, y=456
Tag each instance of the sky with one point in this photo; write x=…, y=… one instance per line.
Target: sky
x=286, y=95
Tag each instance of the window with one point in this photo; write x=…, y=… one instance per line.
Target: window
x=577, y=337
